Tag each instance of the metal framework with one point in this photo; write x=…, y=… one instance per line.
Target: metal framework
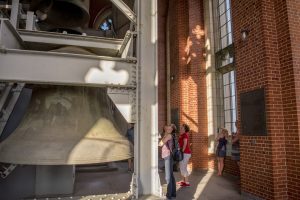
x=125, y=9
x=9, y=38
x=65, y=68
x=146, y=151
x=109, y=46
x=8, y=101
x=130, y=74
x=125, y=100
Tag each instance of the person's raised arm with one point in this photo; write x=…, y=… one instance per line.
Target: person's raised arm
x=236, y=137
x=164, y=140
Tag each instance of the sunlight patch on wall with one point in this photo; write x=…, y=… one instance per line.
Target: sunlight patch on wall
x=198, y=32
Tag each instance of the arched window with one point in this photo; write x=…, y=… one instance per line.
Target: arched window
x=225, y=63
x=103, y=20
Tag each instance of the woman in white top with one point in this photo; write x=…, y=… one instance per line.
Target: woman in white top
x=167, y=144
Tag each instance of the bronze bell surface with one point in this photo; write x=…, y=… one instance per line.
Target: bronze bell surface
x=67, y=125
x=61, y=13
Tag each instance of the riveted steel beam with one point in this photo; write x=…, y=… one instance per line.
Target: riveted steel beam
x=66, y=69
x=125, y=101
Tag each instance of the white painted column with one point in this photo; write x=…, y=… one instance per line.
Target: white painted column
x=15, y=13
x=146, y=150
x=211, y=82
x=30, y=20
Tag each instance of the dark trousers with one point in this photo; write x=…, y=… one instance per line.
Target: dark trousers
x=171, y=185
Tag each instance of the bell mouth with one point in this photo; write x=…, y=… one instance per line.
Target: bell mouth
x=66, y=125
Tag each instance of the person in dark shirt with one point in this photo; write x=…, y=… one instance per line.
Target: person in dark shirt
x=130, y=137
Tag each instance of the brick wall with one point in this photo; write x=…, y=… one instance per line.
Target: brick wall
x=251, y=69
x=288, y=28
x=188, y=88
x=230, y=166
x=196, y=89
x=177, y=36
x=264, y=60
x=162, y=63
x=270, y=59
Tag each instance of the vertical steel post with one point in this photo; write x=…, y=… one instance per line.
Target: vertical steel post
x=30, y=21
x=14, y=15
x=146, y=152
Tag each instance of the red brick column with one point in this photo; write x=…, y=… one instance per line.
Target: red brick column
x=288, y=28
x=195, y=113
x=162, y=63
x=188, y=89
x=178, y=32
x=264, y=60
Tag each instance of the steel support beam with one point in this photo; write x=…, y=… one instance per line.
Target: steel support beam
x=125, y=101
x=146, y=150
x=14, y=15
x=9, y=38
x=124, y=49
x=64, y=68
x=10, y=101
x=59, y=39
x=30, y=21
x=125, y=9
x=4, y=95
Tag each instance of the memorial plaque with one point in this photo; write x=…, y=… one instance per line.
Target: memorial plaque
x=253, y=114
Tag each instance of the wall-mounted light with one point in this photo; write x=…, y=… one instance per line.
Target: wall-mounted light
x=244, y=34
x=172, y=77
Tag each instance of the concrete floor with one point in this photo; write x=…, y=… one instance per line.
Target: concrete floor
x=205, y=185
x=106, y=182
x=100, y=183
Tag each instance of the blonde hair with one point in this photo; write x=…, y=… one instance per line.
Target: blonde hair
x=225, y=131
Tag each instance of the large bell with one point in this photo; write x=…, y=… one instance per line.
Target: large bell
x=65, y=126
x=61, y=13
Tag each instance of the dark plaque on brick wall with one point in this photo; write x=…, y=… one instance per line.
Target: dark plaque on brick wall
x=253, y=114
x=175, y=117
